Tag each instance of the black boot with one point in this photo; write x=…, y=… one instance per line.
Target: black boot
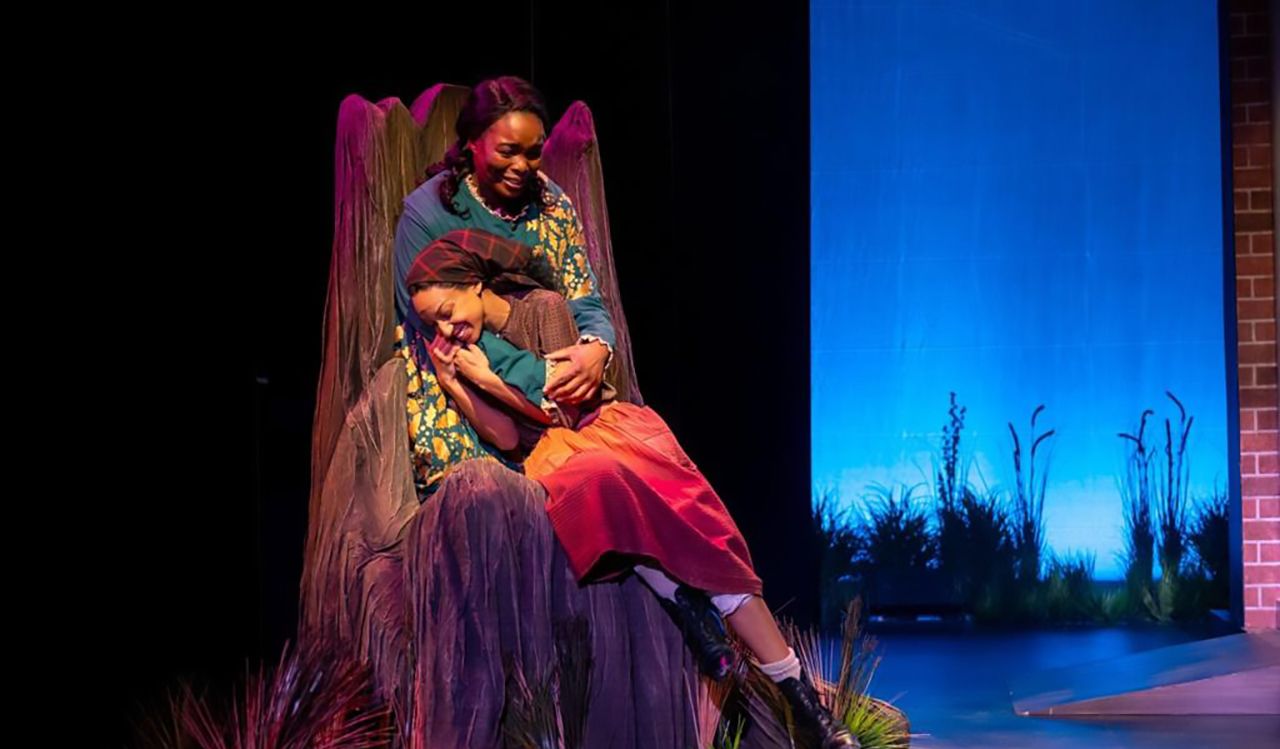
x=812, y=716
x=703, y=629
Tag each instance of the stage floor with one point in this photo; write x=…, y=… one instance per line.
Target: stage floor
x=954, y=687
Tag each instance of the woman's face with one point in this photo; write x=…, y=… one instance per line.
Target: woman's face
x=456, y=313
x=507, y=155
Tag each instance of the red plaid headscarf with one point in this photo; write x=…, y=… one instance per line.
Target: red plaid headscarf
x=471, y=255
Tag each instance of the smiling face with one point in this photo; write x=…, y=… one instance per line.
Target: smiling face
x=506, y=157
x=455, y=311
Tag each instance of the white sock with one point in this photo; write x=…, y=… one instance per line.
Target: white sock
x=662, y=585
x=665, y=587
x=786, y=668
x=727, y=603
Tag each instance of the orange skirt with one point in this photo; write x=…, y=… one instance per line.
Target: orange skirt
x=623, y=491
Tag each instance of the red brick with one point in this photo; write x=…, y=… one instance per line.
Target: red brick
x=1258, y=112
x=1250, y=553
x=1261, y=244
x=1244, y=377
x=1264, y=287
x=1248, y=509
x=1260, y=618
x=1258, y=397
x=1264, y=330
x=1251, y=177
x=1260, y=156
x=1247, y=420
x=1244, y=330
x=1253, y=222
x=1255, y=309
x=1268, y=463
x=1260, y=487
x=1260, y=200
x=1248, y=464
x=1236, y=25
x=1251, y=134
x=1257, y=24
x=1264, y=376
x=1269, y=508
x=1240, y=154
x=1258, y=442
x=1241, y=200
x=1257, y=353
x=1258, y=67
x=1261, y=530
x=1249, y=46
x=1265, y=419
x=1268, y=552
x=1249, y=92
x=1257, y=574
x=1255, y=265
x=1242, y=8
x=1252, y=597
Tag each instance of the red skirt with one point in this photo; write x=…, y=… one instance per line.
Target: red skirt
x=622, y=492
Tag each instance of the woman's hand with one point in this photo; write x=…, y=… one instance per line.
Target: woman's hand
x=443, y=353
x=471, y=363
x=578, y=373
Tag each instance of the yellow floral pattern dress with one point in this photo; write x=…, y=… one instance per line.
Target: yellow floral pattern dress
x=440, y=436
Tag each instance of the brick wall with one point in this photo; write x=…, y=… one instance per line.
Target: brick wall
x=1249, y=53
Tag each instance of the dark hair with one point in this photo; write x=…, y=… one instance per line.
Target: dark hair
x=487, y=103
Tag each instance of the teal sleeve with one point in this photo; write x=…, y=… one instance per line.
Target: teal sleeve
x=519, y=368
